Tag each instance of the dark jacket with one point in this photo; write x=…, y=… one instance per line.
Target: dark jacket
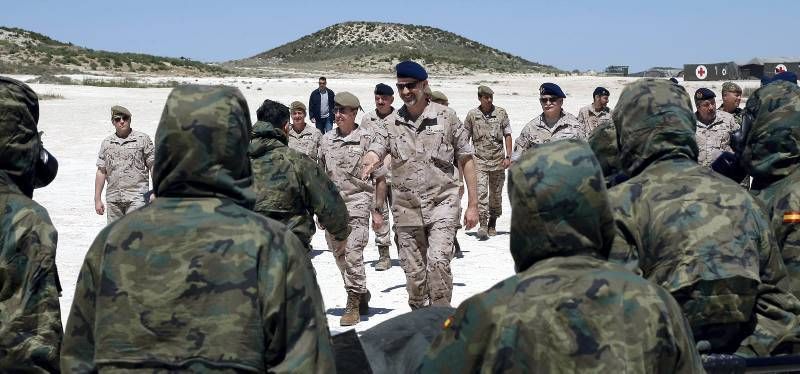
x=313, y=105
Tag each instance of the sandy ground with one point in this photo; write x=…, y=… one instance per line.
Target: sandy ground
x=75, y=126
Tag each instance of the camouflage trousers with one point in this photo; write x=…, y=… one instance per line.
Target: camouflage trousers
x=425, y=255
x=490, y=193
x=117, y=209
x=382, y=235
x=349, y=254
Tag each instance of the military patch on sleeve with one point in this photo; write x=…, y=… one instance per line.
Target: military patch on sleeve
x=791, y=217
x=448, y=322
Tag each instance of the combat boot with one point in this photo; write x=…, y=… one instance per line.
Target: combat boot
x=363, y=303
x=482, y=231
x=492, y=231
x=384, y=261
x=351, y=311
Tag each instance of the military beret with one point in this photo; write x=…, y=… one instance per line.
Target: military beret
x=297, y=106
x=674, y=80
x=600, y=91
x=383, y=89
x=116, y=110
x=551, y=89
x=704, y=94
x=731, y=87
x=347, y=99
x=411, y=69
x=485, y=91
x=438, y=96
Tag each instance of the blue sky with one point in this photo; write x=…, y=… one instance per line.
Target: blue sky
x=567, y=34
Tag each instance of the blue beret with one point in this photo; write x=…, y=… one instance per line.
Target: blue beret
x=785, y=76
x=551, y=89
x=411, y=69
x=383, y=90
x=704, y=94
x=674, y=80
x=600, y=91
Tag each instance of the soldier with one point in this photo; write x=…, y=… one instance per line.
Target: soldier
x=597, y=112
x=490, y=130
x=289, y=186
x=771, y=154
x=30, y=315
x=440, y=98
x=567, y=309
x=125, y=161
x=302, y=137
x=554, y=123
x=714, y=127
x=424, y=142
x=696, y=232
x=731, y=98
x=381, y=117
x=340, y=153
x=603, y=140
x=196, y=281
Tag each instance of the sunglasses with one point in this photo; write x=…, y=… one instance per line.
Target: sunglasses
x=341, y=109
x=118, y=119
x=409, y=86
x=545, y=100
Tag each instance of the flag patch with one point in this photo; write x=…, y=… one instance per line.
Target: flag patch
x=791, y=217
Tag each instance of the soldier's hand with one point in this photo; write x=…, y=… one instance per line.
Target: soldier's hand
x=369, y=162
x=377, y=220
x=506, y=163
x=99, y=207
x=470, y=217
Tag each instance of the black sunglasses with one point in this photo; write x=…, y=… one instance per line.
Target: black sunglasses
x=545, y=100
x=410, y=86
x=119, y=118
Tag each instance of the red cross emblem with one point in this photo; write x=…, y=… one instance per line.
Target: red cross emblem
x=701, y=72
x=781, y=68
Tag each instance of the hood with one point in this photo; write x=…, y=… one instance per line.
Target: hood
x=201, y=145
x=559, y=205
x=603, y=141
x=772, y=149
x=265, y=138
x=654, y=121
x=19, y=139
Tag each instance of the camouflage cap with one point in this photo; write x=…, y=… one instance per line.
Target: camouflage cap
x=437, y=96
x=772, y=149
x=19, y=140
x=731, y=87
x=485, y=91
x=346, y=99
x=559, y=205
x=120, y=110
x=296, y=105
x=654, y=120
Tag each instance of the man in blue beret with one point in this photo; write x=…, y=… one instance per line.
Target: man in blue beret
x=382, y=116
x=597, y=112
x=553, y=124
x=429, y=147
x=714, y=127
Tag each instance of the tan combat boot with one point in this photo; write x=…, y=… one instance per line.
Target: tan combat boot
x=482, y=231
x=351, y=311
x=363, y=303
x=384, y=262
x=492, y=231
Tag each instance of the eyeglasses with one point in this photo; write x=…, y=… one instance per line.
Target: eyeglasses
x=119, y=118
x=409, y=86
x=341, y=109
x=545, y=100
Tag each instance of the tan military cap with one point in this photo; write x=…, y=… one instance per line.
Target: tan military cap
x=438, y=96
x=120, y=110
x=731, y=87
x=347, y=99
x=297, y=106
x=485, y=91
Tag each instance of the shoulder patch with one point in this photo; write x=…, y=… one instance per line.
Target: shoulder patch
x=791, y=217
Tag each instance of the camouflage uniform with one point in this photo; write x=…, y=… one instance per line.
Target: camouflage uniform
x=425, y=200
x=291, y=188
x=370, y=121
x=591, y=118
x=127, y=162
x=306, y=142
x=715, y=138
x=30, y=316
x=567, y=309
x=772, y=157
x=603, y=140
x=737, y=115
x=340, y=156
x=488, y=133
x=537, y=132
x=196, y=281
x=695, y=232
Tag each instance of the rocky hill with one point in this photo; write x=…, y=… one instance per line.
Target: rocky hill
x=27, y=52
x=377, y=47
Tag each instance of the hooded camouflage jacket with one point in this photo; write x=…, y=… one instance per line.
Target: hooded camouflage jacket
x=291, y=188
x=30, y=316
x=603, y=140
x=772, y=157
x=567, y=309
x=196, y=281
x=693, y=231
